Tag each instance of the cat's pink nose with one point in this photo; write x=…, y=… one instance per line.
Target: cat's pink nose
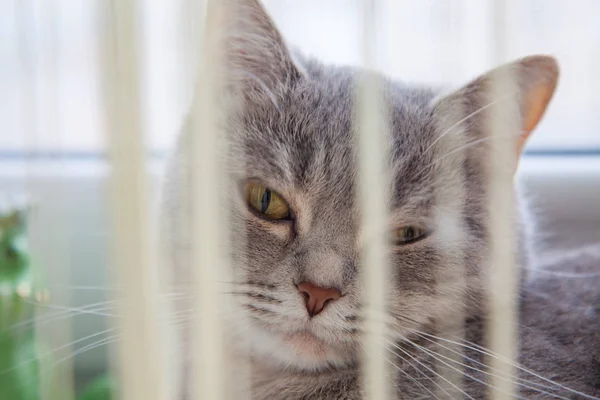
x=317, y=297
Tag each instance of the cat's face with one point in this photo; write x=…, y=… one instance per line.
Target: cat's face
x=301, y=155
x=295, y=195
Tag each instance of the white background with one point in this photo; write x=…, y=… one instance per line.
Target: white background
x=56, y=60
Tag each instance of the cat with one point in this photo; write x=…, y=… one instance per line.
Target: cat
x=300, y=287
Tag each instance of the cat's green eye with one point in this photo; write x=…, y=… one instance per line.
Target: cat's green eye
x=266, y=202
x=408, y=234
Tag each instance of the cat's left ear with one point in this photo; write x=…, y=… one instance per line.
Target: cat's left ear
x=535, y=79
x=256, y=58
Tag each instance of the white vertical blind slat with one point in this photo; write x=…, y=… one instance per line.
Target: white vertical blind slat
x=503, y=280
x=372, y=124
x=209, y=223
x=140, y=342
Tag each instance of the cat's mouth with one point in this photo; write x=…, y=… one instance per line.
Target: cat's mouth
x=306, y=350
x=306, y=343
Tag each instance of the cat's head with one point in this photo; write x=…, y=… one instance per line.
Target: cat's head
x=296, y=194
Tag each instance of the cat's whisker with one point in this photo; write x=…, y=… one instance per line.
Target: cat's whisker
x=69, y=309
x=487, y=352
x=466, y=146
x=438, y=357
x=413, y=379
x=31, y=379
x=484, y=351
x=57, y=316
x=474, y=113
x=67, y=312
x=99, y=343
x=425, y=376
x=105, y=288
x=50, y=352
x=479, y=363
x=429, y=369
x=521, y=381
x=88, y=309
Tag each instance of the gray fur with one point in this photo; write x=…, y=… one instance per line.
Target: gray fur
x=296, y=135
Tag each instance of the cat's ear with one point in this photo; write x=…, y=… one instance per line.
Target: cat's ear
x=535, y=80
x=256, y=57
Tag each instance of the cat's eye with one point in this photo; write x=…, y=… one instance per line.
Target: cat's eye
x=408, y=234
x=267, y=202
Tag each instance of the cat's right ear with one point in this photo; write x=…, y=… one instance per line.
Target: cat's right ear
x=255, y=55
x=535, y=79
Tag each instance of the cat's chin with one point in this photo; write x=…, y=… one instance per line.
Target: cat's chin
x=301, y=350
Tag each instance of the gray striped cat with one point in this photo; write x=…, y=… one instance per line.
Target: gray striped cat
x=297, y=318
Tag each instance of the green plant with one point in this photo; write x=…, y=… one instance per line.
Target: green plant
x=19, y=365
x=20, y=360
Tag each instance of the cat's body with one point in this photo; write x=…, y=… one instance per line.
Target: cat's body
x=296, y=133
